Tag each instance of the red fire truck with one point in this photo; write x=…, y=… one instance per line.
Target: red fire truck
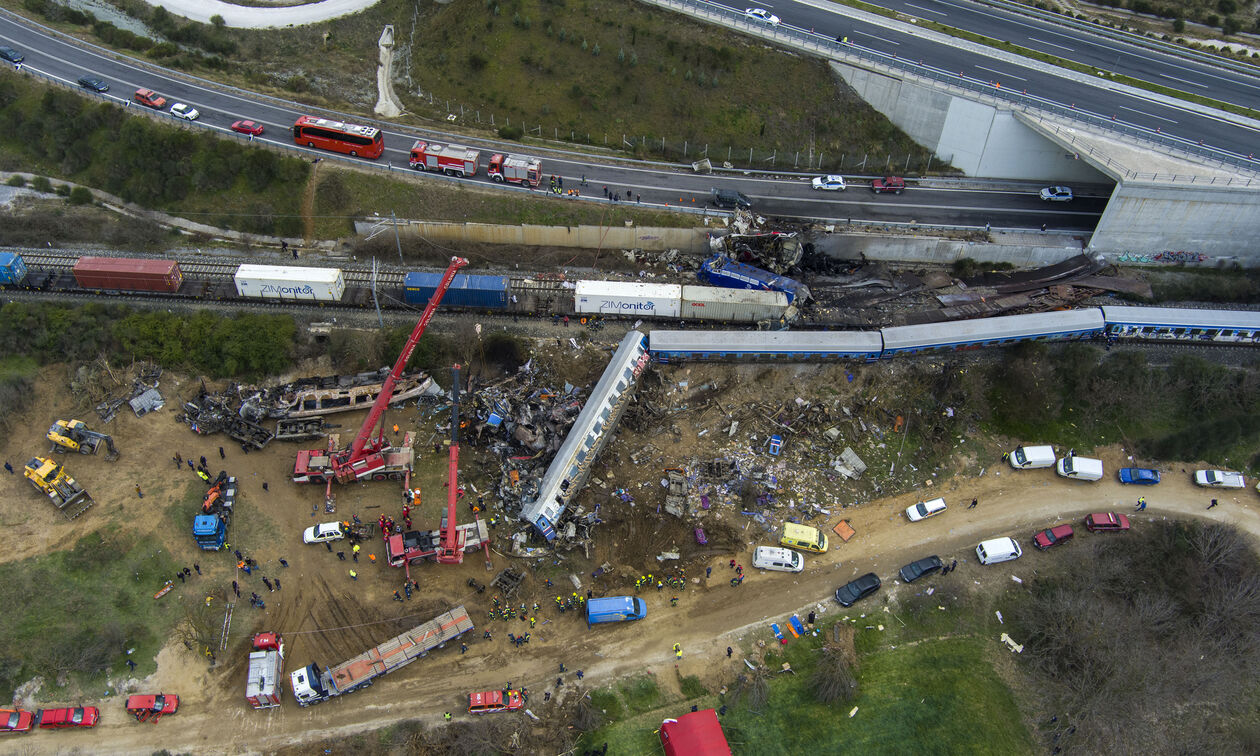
x=515, y=169
x=451, y=159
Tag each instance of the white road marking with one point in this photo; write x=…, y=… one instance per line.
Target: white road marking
x=876, y=36
x=927, y=10
x=1148, y=115
x=1042, y=41
x=1185, y=81
x=1002, y=74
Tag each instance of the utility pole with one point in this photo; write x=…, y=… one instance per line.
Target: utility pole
x=379, y=320
x=397, y=241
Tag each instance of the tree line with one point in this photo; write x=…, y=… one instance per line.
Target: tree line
x=245, y=345
x=151, y=164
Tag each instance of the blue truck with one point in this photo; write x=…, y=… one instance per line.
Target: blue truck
x=12, y=269
x=615, y=609
x=210, y=527
x=720, y=271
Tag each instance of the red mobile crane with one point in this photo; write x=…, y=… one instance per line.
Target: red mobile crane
x=447, y=544
x=368, y=456
x=452, y=549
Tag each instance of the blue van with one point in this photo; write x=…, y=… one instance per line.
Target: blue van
x=615, y=609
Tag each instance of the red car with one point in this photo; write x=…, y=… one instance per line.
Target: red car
x=1106, y=522
x=16, y=720
x=79, y=716
x=247, y=127
x=151, y=708
x=893, y=184
x=1052, y=537
x=149, y=98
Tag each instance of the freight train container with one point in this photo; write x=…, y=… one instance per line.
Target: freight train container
x=482, y=292
x=12, y=269
x=128, y=274
x=311, y=685
x=719, y=271
x=515, y=169
x=733, y=305
x=627, y=299
x=300, y=284
x=451, y=159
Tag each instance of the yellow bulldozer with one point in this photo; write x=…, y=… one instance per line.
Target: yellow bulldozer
x=73, y=435
x=51, y=478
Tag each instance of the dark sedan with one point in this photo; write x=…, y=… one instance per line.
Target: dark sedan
x=855, y=590
x=11, y=55
x=925, y=566
x=93, y=83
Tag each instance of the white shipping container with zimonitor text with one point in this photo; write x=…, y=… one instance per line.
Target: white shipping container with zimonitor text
x=628, y=298
x=275, y=282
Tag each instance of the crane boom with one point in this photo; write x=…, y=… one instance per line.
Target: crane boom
x=451, y=550
x=387, y=388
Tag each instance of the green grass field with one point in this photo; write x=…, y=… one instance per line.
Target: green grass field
x=926, y=687
x=108, y=576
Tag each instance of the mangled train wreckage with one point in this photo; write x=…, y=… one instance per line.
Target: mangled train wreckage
x=592, y=430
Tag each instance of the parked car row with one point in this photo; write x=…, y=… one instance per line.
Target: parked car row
x=144, y=708
x=1085, y=468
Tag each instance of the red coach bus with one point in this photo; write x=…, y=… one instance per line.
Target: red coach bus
x=359, y=141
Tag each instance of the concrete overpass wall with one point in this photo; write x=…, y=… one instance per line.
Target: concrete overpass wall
x=977, y=138
x=1220, y=222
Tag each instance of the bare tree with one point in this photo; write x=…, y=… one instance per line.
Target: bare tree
x=833, y=681
x=752, y=690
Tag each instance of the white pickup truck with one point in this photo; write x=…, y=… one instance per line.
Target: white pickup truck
x=1219, y=479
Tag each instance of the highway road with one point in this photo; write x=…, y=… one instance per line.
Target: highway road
x=1220, y=131
x=1163, y=69
x=782, y=195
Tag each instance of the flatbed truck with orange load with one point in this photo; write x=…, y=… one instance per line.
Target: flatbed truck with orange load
x=313, y=684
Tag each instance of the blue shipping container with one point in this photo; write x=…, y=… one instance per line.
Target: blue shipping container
x=12, y=269
x=482, y=292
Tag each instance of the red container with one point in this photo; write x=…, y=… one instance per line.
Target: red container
x=128, y=273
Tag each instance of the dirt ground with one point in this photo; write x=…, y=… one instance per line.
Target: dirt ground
x=326, y=617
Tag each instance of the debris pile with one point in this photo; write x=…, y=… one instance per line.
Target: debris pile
x=219, y=412
x=109, y=388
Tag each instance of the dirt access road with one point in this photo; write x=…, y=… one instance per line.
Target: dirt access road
x=326, y=617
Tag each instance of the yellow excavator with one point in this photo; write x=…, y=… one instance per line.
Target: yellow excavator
x=49, y=476
x=73, y=435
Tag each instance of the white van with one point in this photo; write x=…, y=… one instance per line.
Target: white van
x=1080, y=468
x=775, y=558
x=998, y=550
x=1030, y=457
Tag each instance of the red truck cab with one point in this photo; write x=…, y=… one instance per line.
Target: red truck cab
x=490, y=701
x=894, y=184
x=151, y=708
x=149, y=98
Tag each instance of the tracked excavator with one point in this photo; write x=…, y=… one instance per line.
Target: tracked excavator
x=73, y=435
x=51, y=478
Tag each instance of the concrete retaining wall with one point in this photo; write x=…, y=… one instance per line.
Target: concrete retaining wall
x=690, y=240
x=1218, y=222
x=939, y=251
x=976, y=138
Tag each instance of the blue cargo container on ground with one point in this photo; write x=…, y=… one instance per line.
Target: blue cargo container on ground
x=482, y=292
x=12, y=269
x=719, y=271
